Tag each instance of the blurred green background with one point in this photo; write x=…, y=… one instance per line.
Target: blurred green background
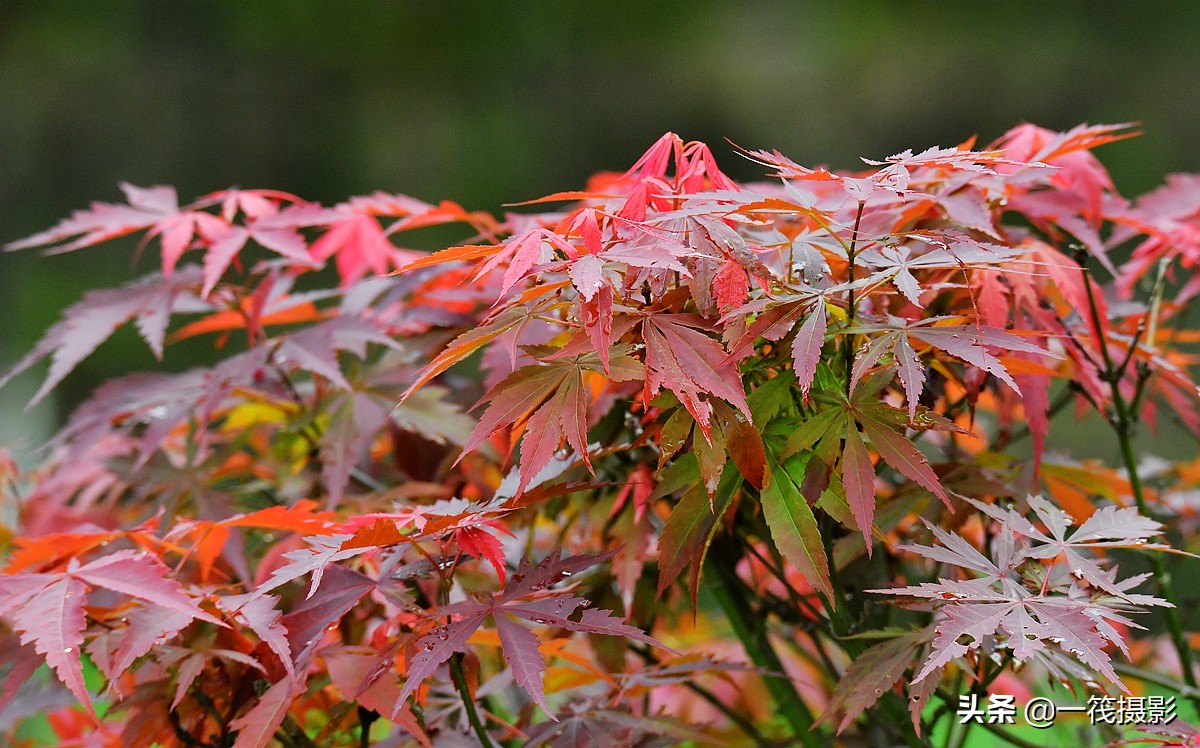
x=486, y=103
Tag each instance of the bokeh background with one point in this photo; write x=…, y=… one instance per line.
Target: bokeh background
x=492, y=102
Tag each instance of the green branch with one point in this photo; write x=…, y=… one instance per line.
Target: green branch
x=751, y=629
x=1123, y=420
x=460, y=680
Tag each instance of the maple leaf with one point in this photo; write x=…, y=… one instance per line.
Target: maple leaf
x=359, y=245
x=847, y=422
x=525, y=251
x=156, y=207
x=589, y=724
x=686, y=361
x=47, y=609
x=1107, y=527
x=551, y=399
x=146, y=626
x=53, y=621
x=997, y=602
x=896, y=263
x=693, y=523
x=309, y=619
x=528, y=597
x=260, y=615
x=361, y=675
x=968, y=343
x=323, y=551
x=148, y=302
x=776, y=318
x=505, y=321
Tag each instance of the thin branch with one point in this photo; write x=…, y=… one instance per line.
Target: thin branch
x=1184, y=690
x=996, y=730
x=460, y=680
x=1123, y=420
x=751, y=630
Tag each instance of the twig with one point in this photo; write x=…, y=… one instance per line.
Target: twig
x=751, y=630
x=1184, y=690
x=996, y=730
x=460, y=680
x=1123, y=423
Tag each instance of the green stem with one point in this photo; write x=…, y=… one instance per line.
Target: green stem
x=1122, y=421
x=460, y=680
x=751, y=630
x=1157, y=678
x=851, y=301
x=996, y=730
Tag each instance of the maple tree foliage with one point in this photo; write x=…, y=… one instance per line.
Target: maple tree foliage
x=666, y=460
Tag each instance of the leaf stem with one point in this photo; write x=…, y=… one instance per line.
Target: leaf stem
x=460, y=680
x=751, y=630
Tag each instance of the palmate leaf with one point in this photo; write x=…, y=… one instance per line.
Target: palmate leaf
x=528, y=598
x=858, y=478
x=690, y=529
x=1029, y=625
x=21, y=661
x=520, y=648
x=897, y=263
x=846, y=425
x=552, y=400
x=146, y=626
x=323, y=550
x=968, y=343
x=47, y=609
x=1061, y=617
x=689, y=363
x=148, y=302
x=157, y=210
x=776, y=318
x=307, y=621
x=589, y=725
x=260, y=614
x=103, y=221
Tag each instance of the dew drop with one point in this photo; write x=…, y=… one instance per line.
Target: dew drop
x=68, y=650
